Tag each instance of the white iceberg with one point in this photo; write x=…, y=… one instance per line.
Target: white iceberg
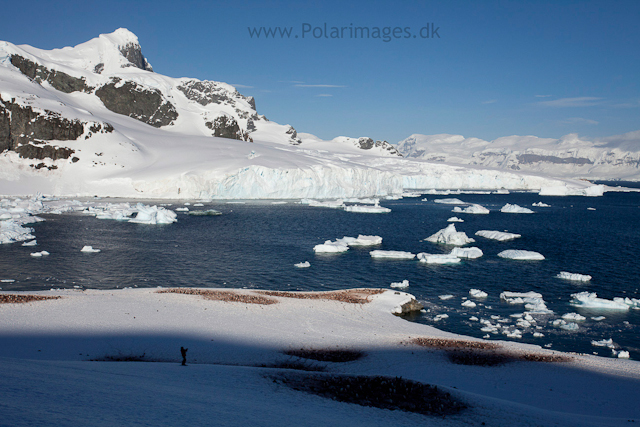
x=400, y=285
x=574, y=317
x=305, y=264
x=541, y=205
x=631, y=302
x=331, y=247
x=361, y=240
x=469, y=253
x=392, y=254
x=518, y=254
x=455, y=219
x=573, y=276
x=603, y=343
x=39, y=254
x=623, y=354
x=367, y=209
x=334, y=204
x=450, y=236
x=12, y=231
x=449, y=201
x=153, y=215
x=445, y=297
x=440, y=317
x=31, y=243
x=509, y=208
x=438, y=258
x=477, y=293
x=532, y=301
x=497, y=235
x=185, y=209
x=473, y=209
x=591, y=300
x=89, y=249
x=564, y=190
x=469, y=304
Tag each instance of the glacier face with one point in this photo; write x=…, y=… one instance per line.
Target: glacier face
x=94, y=119
x=616, y=157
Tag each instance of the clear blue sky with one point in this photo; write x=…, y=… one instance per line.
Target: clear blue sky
x=544, y=68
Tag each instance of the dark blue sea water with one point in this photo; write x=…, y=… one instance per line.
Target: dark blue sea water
x=255, y=245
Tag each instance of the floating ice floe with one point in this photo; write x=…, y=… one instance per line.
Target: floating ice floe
x=7, y=280
x=440, y=317
x=305, y=264
x=473, y=209
x=469, y=304
x=541, y=205
x=199, y=205
x=207, y=212
x=392, y=254
x=623, y=354
x=450, y=201
x=604, y=343
x=39, y=254
x=367, y=201
x=367, y=209
x=445, y=297
x=89, y=249
x=411, y=194
x=361, y=240
x=477, y=293
x=184, y=209
x=334, y=204
x=403, y=284
x=631, y=302
x=574, y=317
x=455, y=219
x=573, y=276
x=501, y=236
x=12, y=231
x=518, y=254
x=591, y=209
x=532, y=301
x=31, y=243
x=598, y=318
x=438, y=258
x=509, y=208
x=450, y=236
x=591, y=300
x=538, y=334
x=473, y=318
x=331, y=247
x=153, y=215
x=469, y=253
x=567, y=326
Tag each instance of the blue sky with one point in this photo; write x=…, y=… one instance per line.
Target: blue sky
x=498, y=68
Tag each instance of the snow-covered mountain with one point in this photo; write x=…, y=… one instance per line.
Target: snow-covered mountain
x=95, y=119
x=616, y=157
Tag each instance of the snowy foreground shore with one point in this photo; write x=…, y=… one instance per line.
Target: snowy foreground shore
x=80, y=360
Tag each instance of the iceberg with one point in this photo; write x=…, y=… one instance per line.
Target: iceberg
x=541, y=205
x=574, y=317
x=468, y=304
x=400, y=285
x=518, y=254
x=207, y=212
x=438, y=258
x=334, y=204
x=31, y=243
x=591, y=300
x=509, y=208
x=450, y=236
x=39, y=254
x=631, y=302
x=11, y=231
x=450, y=201
x=153, y=215
x=361, y=240
x=532, y=301
x=623, y=354
x=440, y=317
x=455, y=219
x=305, y=264
x=392, y=254
x=564, y=190
x=445, y=297
x=89, y=249
x=477, y=293
x=367, y=209
x=331, y=247
x=497, y=235
x=473, y=209
x=573, y=276
x=469, y=253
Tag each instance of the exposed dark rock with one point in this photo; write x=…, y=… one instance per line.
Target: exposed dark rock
x=390, y=148
x=135, y=101
x=251, y=100
x=59, y=80
x=227, y=127
x=205, y=92
x=133, y=53
x=410, y=307
x=365, y=143
x=293, y=136
x=98, y=69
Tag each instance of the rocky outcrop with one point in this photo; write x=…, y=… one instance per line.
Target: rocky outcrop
x=365, y=143
x=133, y=53
x=293, y=136
x=227, y=127
x=137, y=102
x=59, y=80
x=28, y=132
x=410, y=307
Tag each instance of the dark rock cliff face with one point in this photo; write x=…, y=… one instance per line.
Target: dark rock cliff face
x=367, y=144
x=133, y=53
x=59, y=80
x=227, y=127
x=28, y=132
x=145, y=105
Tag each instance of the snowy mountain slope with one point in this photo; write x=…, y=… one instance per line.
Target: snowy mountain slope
x=616, y=157
x=95, y=120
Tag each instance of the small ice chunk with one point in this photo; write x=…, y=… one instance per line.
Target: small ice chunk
x=516, y=333
x=361, y=240
x=477, y=293
x=623, y=354
x=593, y=209
x=571, y=326
x=367, y=209
x=39, y=254
x=403, y=284
x=469, y=304
x=518, y=254
x=473, y=209
x=591, y=300
x=455, y=219
x=598, y=318
x=392, y=254
x=532, y=301
x=445, y=297
x=541, y=205
x=7, y=281
x=440, y=317
x=305, y=264
x=473, y=318
x=509, y=208
x=198, y=205
x=438, y=258
x=185, y=209
x=331, y=247
x=574, y=316
x=450, y=201
x=31, y=243
x=573, y=276
x=603, y=343
x=450, y=236
x=469, y=253
x=89, y=249
x=497, y=235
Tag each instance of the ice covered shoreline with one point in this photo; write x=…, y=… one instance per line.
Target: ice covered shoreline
x=234, y=345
